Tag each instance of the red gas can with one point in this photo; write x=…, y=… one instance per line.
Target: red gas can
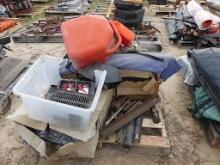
x=127, y=36
x=89, y=39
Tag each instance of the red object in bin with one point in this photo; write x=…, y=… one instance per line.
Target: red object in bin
x=89, y=39
x=127, y=35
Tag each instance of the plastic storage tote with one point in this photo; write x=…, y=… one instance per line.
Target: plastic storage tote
x=33, y=86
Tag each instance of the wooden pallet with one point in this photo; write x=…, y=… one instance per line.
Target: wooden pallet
x=51, y=11
x=191, y=44
x=153, y=140
x=36, y=11
x=162, y=9
x=104, y=9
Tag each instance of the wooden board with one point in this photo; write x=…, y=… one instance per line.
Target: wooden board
x=10, y=68
x=150, y=144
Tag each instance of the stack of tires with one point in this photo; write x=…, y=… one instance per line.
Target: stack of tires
x=129, y=13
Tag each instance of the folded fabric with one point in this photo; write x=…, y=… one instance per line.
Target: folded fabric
x=113, y=74
x=204, y=107
x=187, y=71
x=162, y=64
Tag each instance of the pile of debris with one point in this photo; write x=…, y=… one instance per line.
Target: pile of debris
x=187, y=26
x=68, y=103
x=46, y=26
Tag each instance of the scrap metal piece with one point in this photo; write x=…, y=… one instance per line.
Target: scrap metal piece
x=155, y=115
x=129, y=130
x=137, y=129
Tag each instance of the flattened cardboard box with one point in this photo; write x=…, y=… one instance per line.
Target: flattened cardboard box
x=85, y=148
x=68, y=151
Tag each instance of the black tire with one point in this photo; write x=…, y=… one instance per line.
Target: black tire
x=130, y=14
x=120, y=4
x=161, y=2
x=130, y=22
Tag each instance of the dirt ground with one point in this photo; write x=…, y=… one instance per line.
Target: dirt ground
x=186, y=135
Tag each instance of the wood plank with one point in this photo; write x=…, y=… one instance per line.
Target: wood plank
x=155, y=141
x=148, y=123
x=122, y=121
x=152, y=145
x=134, y=88
x=138, y=74
x=149, y=85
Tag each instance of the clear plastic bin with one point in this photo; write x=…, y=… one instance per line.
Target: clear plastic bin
x=35, y=83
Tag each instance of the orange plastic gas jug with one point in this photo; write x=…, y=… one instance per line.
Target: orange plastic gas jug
x=89, y=39
x=127, y=35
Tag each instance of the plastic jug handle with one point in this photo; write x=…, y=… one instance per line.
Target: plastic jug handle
x=113, y=49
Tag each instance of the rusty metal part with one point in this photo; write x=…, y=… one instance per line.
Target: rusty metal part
x=128, y=138
x=147, y=30
x=116, y=113
x=6, y=24
x=155, y=115
x=48, y=26
x=137, y=129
